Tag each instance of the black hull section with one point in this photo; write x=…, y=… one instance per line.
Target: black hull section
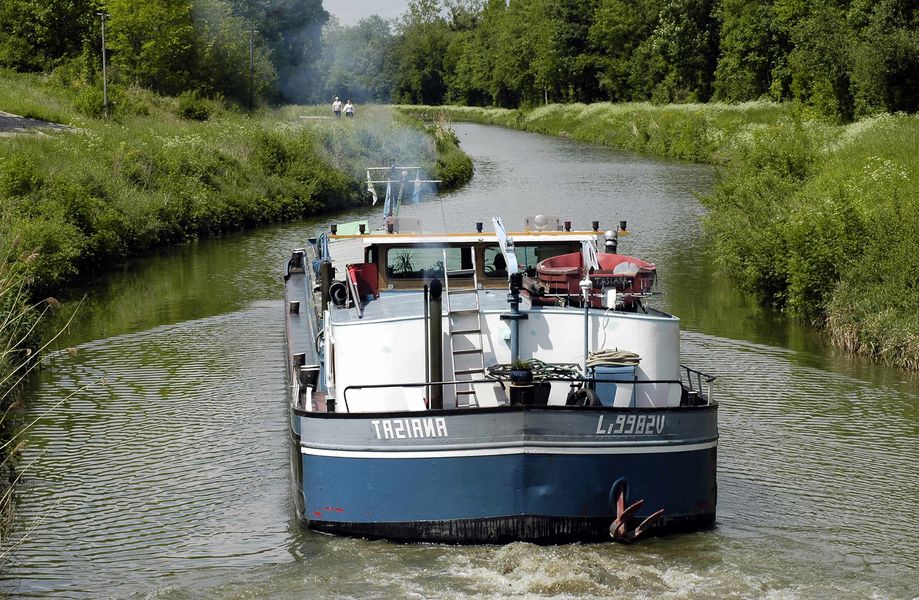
x=504, y=530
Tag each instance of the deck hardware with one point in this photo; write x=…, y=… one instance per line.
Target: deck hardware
x=567, y=225
x=295, y=307
x=596, y=225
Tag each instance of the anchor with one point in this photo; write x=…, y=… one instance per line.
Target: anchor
x=618, y=529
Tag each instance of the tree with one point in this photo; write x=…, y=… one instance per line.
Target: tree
x=820, y=63
x=37, y=34
x=885, y=72
x=619, y=27
x=354, y=60
x=153, y=43
x=748, y=51
x=423, y=40
x=292, y=31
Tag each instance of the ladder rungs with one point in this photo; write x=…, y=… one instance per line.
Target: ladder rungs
x=464, y=392
x=461, y=272
x=468, y=351
x=465, y=331
x=464, y=311
x=469, y=372
x=457, y=291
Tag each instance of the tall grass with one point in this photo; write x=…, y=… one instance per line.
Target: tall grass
x=696, y=132
x=109, y=190
x=824, y=221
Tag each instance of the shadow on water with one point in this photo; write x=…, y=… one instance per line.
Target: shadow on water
x=172, y=479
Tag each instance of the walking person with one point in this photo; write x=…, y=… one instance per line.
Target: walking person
x=336, y=107
x=349, y=108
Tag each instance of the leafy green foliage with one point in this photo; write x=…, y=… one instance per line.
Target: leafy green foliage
x=87, y=199
x=824, y=222
x=845, y=59
x=171, y=46
x=193, y=106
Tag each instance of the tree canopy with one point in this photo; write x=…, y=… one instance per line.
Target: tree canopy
x=173, y=46
x=843, y=57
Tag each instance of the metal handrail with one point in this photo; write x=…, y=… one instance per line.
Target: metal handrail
x=680, y=382
x=700, y=378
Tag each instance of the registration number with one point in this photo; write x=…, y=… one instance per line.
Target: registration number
x=631, y=425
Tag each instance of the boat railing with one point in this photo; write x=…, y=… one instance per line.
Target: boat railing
x=381, y=386
x=693, y=395
x=694, y=381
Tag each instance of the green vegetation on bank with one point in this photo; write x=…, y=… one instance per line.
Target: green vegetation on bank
x=821, y=220
x=824, y=221
x=87, y=199
x=696, y=132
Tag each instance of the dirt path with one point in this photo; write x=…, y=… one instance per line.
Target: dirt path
x=14, y=125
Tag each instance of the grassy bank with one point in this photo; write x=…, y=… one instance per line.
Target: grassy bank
x=165, y=170
x=824, y=221
x=821, y=220
x=696, y=132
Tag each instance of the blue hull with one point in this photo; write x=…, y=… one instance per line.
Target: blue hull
x=542, y=498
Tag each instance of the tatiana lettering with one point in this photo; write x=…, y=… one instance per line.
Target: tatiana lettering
x=410, y=429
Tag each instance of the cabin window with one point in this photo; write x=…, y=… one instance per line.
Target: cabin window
x=527, y=257
x=418, y=262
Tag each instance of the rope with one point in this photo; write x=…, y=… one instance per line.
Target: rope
x=613, y=358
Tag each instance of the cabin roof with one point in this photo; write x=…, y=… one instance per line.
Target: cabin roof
x=471, y=238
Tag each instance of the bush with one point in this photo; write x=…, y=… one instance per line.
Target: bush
x=193, y=107
x=90, y=101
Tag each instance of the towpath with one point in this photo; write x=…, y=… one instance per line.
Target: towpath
x=14, y=125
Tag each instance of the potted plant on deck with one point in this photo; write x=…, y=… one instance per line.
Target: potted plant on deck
x=521, y=378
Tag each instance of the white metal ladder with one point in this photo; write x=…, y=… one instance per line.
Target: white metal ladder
x=464, y=327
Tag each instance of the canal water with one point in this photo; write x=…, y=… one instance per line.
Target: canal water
x=158, y=463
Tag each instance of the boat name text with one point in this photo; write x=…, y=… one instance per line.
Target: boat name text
x=401, y=429
x=631, y=425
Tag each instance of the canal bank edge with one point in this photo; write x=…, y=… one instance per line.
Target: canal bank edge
x=817, y=219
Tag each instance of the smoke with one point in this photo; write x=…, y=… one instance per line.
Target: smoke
x=355, y=61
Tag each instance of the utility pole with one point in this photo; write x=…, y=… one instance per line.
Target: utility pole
x=251, y=67
x=103, y=15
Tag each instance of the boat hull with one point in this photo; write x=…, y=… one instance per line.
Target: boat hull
x=536, y=474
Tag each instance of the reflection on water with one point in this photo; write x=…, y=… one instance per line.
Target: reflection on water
x=171, y=479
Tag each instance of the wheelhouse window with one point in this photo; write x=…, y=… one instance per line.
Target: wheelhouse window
x=527, y=257
x=420, y=262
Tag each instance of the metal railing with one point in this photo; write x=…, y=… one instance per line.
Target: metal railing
x=693, y=380
x=694, y=391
